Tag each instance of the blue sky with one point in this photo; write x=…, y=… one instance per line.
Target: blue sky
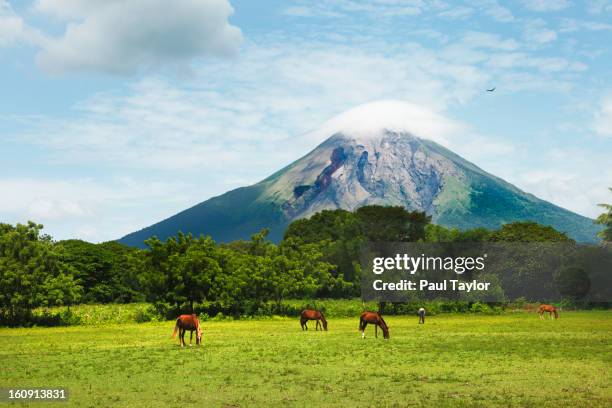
x=117, y=114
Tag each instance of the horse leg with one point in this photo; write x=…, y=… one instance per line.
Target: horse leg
x=363, y=327
x=190, y=338
x=317, y=325
x=376, y=330
x=182, y=337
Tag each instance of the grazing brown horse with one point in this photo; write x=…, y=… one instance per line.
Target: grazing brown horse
x=550, y=309
x=376, y=319
x=310, y=314
x=188, y=322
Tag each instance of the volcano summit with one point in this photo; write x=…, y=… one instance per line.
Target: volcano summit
x=369, y=158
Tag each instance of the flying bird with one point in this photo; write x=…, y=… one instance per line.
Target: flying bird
x=491, y=90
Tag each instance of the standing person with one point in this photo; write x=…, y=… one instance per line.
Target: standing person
x=421, y=315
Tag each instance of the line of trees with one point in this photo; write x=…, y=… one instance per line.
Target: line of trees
x=318, y=257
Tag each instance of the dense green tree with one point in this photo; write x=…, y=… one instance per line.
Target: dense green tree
x=528, y=231
x=196, y=271
x=162, y=274
x=438, y=233
x=573, y=282
x=528, y=270
x=102, y=269
x=605, y=219
x=392, y=224
x=31, y=272
x=339, y=235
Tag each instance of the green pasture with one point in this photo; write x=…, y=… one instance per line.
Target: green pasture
x=512, y=359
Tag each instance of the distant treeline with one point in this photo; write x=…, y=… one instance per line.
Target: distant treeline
x=317, y=258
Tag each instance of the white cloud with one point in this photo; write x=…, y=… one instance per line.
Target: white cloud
x=122, y=37
x=546, y=5
x=603, y=118
x=569, y=25
x=298, y=11
x=479, y=148
x=460, y=12
x=574, y=184
x=87, y=208
x=13, y=29
x=536, y=32
x=11, y=25
x=476, y=39
x=276, y=91
x=368, y=120
x=229, y=125
x=599, y=6
x=342, y=8
x=494, y=10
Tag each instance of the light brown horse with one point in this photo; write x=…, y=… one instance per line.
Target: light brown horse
x=310, y=314
x=188, y=322
x=377, y=320
x=550, y=309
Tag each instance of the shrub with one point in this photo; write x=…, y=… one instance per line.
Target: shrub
x=68, y=318
x=143, y=315
x=478, y=307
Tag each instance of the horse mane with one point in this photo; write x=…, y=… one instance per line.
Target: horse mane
x=383, y=320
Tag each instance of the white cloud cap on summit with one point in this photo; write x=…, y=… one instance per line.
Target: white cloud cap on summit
x=122, y=37
x=370, y=119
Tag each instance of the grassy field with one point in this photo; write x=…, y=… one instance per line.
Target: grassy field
x=512, y=359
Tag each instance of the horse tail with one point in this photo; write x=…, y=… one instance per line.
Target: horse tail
x=176, y=327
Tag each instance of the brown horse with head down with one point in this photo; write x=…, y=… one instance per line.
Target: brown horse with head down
x=550, y=309
x=377, y=320
x=191, y=323
x=310, y=314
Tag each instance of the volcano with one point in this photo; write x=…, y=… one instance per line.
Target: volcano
x=365, y=162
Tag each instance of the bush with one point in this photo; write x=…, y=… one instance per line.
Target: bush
x=143, y=315
x=478, y=307
x=519, y=303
